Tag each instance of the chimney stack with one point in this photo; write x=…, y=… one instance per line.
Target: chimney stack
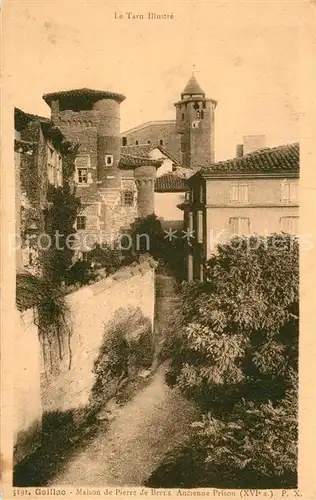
x=252, y=143
x=239, y=150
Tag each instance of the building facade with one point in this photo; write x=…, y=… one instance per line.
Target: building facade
x=183, y=144
x=38, y=152
x=113, y=187
x=195, y=126
x=254, y=194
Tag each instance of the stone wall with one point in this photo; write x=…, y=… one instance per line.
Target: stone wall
x=27, y=392
x=155, y=132
x=44, y=382
x=92, y=309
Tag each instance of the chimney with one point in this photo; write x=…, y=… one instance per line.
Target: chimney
x=239, y=150
x=253, y=143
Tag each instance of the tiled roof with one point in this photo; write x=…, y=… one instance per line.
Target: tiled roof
x=87, y=93
x=131, y=162
x=145, y=149
x=148, y=124
x=278, y=159
x=170, y=183
x=192, y=87
x=140, y=150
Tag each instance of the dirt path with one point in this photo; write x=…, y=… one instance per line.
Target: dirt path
x=134, y=444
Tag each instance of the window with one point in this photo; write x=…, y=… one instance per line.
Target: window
x=148, y=142
x=51, y=163
x=289, y=192
x=201, y=193
x=109, y=160
x=190, y=222
x=81, y=222
x=238, y=193
x=136, y=143
x=202, y=114
x=239, y=226
x=59, y=171
x=204, y=104
x=85, y=256
x=198, y=114
x=200, y=226
x=190, y=268
x=289, y=225
x=82, y=174
x=161, y=142
x=128, y=198
x=174, y=167
x=124, y=141
x=82, y=161
x=182, y=116
x=201, y=272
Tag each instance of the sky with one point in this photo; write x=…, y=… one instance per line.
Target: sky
x=246, y=56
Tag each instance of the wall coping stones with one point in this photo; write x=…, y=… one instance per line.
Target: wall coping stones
x=122, y=274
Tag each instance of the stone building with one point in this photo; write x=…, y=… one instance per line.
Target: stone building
x=117, y=178
x=184, y=145
x=38, y=164
x=255, y=193
x=114, y=186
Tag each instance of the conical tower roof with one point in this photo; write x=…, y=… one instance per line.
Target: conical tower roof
x=192, y=88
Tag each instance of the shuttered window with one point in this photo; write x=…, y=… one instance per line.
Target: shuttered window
x=239, y=226
x=289, y=192
x=238, y=193
x=289, y=225
x=200, y=226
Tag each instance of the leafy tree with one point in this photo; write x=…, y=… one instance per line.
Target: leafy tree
x=240, y=328
x=105, y=256
x=147, y=236
x=59, y=217
x=235, y=339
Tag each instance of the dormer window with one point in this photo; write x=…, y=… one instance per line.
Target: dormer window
x=161, y=142
x=108, y=160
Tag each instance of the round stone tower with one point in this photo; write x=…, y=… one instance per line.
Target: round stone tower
x=93, y=118
x=195, y=124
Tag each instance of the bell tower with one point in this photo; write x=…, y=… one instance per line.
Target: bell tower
x=195, y=124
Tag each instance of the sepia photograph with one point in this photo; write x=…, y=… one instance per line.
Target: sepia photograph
x=155, y=246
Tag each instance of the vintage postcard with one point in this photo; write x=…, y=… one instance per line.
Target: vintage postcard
x=158, y=249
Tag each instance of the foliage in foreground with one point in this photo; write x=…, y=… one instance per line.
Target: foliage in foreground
x=148, y=237
x=127, y=346
x=234, y=348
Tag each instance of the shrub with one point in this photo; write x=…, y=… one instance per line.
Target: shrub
x=241, y=326
x=127, y=346
x=235, y=338
x=80, y=272
x=106, y=257
x=148, y=236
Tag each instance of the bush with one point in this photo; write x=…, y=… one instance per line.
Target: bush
x=235, y=338
x=127, y=346
x=241, y=327
x=106, y=257
x=80, y=272
x=148, y=236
